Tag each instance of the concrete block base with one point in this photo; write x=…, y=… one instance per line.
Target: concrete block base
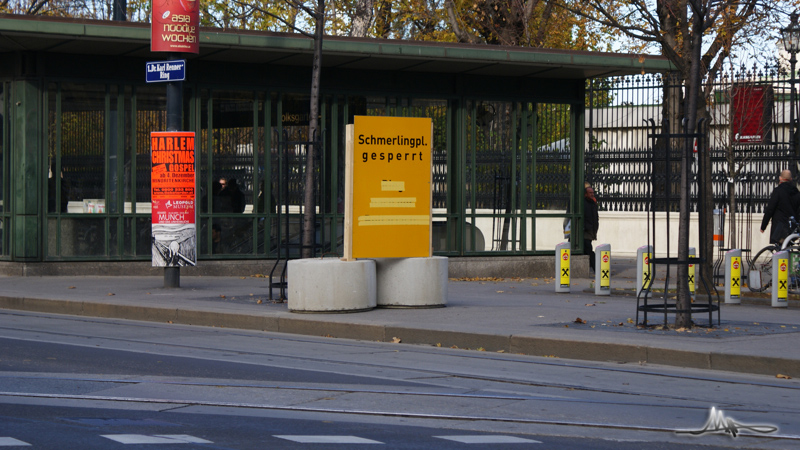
x=412, y=282
x=331, y=285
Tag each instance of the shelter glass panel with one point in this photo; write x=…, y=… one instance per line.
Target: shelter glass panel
x=3, y=165
x=553, y=157
x=76, y=163
x=151, y=115
x=497, y=168
x=80, y=146
x=227, y=168
x=3, y=127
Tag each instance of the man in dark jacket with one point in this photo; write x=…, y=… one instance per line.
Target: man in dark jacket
x=783, y=203
x=591, y=222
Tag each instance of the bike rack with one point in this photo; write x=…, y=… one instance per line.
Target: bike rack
x=666, y=306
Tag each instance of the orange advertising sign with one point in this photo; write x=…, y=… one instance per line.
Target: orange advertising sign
x=173, y=199
x=172, y=155
x=175, y=26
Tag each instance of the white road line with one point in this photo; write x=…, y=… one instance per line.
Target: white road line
x=11, y=442
x=484, y=439
x=310, y=439
x=155, y=439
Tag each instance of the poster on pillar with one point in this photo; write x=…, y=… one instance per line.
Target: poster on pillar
x=388, y=187
x=172, y=193
x=175, y=26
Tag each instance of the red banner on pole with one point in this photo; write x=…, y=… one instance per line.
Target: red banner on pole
x=752, y=113
x=175, y=26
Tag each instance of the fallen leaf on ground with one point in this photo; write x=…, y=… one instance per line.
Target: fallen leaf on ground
x=71, y=287
x=590, y=304
x=221, y=296
x=258, y=302
x=785, y=377
x=630, y=320
x=396, y=340
x=579, y=320
x=111, y=293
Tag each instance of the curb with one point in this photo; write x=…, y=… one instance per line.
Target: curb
x=525, y=345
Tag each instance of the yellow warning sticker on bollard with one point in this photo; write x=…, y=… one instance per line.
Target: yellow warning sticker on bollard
x=646, y=270
x=783, y=278
x=564, y=267
x=736, y=276
x=605, y=269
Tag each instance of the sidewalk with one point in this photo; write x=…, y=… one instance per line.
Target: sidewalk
x=506, y=315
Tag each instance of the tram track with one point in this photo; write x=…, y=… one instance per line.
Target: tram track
x=530, y=361
x=351, y=390
x=484, y=391
x=172, y=405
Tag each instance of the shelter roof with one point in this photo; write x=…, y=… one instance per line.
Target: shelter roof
x=108, y=38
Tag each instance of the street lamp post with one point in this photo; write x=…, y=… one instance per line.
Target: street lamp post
x=791, y=43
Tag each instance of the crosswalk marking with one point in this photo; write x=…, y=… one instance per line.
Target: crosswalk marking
x=484, y=439
x=11, y=442
x=311, y=439
x=155, y=439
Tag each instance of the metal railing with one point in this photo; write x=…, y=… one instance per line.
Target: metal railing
x=617, y=161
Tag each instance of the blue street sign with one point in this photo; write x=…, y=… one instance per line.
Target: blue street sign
x=158, y=71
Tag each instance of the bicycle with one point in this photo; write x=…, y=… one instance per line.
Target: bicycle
x=760, y=271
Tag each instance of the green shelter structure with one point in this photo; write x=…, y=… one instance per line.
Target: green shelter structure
x=76, y=115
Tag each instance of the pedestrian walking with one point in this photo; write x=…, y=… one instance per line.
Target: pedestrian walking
x=591, y=223
x=784, y=202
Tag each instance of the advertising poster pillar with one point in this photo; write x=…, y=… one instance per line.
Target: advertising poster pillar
x=174, y=230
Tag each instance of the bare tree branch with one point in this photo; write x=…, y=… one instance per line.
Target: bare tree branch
x=36, y=6
x=461, y=35
x=279, y=18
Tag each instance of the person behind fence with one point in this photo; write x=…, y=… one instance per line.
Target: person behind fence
x=591, y=222
x=784, y=202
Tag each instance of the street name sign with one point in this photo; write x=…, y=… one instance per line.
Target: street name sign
x=158, y=71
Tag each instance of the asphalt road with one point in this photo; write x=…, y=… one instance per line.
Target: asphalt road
x=76, y=382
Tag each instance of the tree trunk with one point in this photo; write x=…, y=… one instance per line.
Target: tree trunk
x=683, y=316
x=309, y=199
x=362, y=19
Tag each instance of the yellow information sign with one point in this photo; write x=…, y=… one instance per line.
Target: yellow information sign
x=388, y=187
x=691, y=276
